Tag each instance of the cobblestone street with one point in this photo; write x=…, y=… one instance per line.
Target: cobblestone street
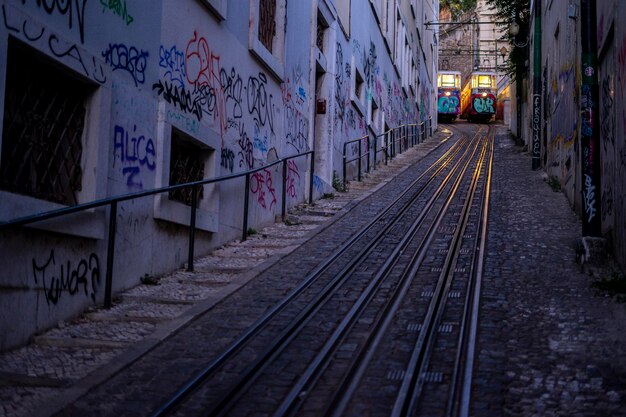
x=550, y=345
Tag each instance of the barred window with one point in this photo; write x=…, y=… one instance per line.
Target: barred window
x=267, y=23
x=44, y=118
x=319, y=39
x=186, y=165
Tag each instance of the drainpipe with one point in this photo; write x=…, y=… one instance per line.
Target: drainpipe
x=590, y=134
x=536, y=142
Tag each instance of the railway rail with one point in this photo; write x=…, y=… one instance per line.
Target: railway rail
x=364, y=313
x=384, y=325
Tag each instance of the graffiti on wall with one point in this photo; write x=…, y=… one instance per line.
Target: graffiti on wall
x=195, y=82
x=369, y=64
x=68, y=52
x=228, y=159
x=135, y=152
x=607, y=138
x=246, y=149
x=119, y=8
x=173, y=61
x=296, y=129
x=341, y=85
x=232, y=87
x=262, y=187
x=293, y=178
x=318, y=183
x=563, y=123
x=296, y=124
x=74, y=11
x=260, y=102
x=260, y=143
x=128, y=59
x=73, y=277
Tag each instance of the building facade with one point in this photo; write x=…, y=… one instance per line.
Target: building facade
x=101, y=99
x=565, y=107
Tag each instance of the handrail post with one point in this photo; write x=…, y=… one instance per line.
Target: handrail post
x=375, y=150
x=405, y=129
x=360, y=157
x=395, y=143
x=368, y=153
x=344, y=163
x=108, y=286
x=396, y=136
x=311, y=182
x=284, y=203
x=192, y=227
x=387, y=135
x=246, y=200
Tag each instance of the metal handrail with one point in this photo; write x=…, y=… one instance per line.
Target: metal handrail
x=359, y=158
x=400, y=137
x=113, y=202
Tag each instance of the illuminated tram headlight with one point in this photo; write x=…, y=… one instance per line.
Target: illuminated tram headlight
x=447, y=94
x=484, y=94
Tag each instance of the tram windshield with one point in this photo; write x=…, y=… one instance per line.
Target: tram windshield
x=448, y=80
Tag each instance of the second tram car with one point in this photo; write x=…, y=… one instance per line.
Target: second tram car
x=448, y=95
x=478, y=98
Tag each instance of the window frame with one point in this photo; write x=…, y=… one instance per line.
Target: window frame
x=94, y=159
x=207, y=214
x=274, y=61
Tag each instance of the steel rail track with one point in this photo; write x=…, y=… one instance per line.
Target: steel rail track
x=299, y=392
x=183, y=392
x=470, y=333
x=410, y=391
x=254, y=370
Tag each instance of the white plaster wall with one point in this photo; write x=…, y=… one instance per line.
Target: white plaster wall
x=179, y=65
x=562, y=98
x=47, y=277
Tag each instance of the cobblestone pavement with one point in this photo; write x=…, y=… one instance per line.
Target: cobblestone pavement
x=549, y=344
x=63, y=363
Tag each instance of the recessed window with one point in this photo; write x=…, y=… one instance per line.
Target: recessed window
x=42, y=132
x=187, y=162
x=375, y=121
x=359, y=86
x=267, y=23
x=322, y=27
x=268, y=20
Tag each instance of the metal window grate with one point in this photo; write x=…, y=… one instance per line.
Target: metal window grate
x=319, y=40
x=186, y=165
x=44, y=116
x=267, y=22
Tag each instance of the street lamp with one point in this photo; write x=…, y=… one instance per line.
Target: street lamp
x=514, y=31
x=503, y=52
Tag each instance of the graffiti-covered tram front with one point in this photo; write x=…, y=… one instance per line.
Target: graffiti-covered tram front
x=448, y=95
x=478, y=98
